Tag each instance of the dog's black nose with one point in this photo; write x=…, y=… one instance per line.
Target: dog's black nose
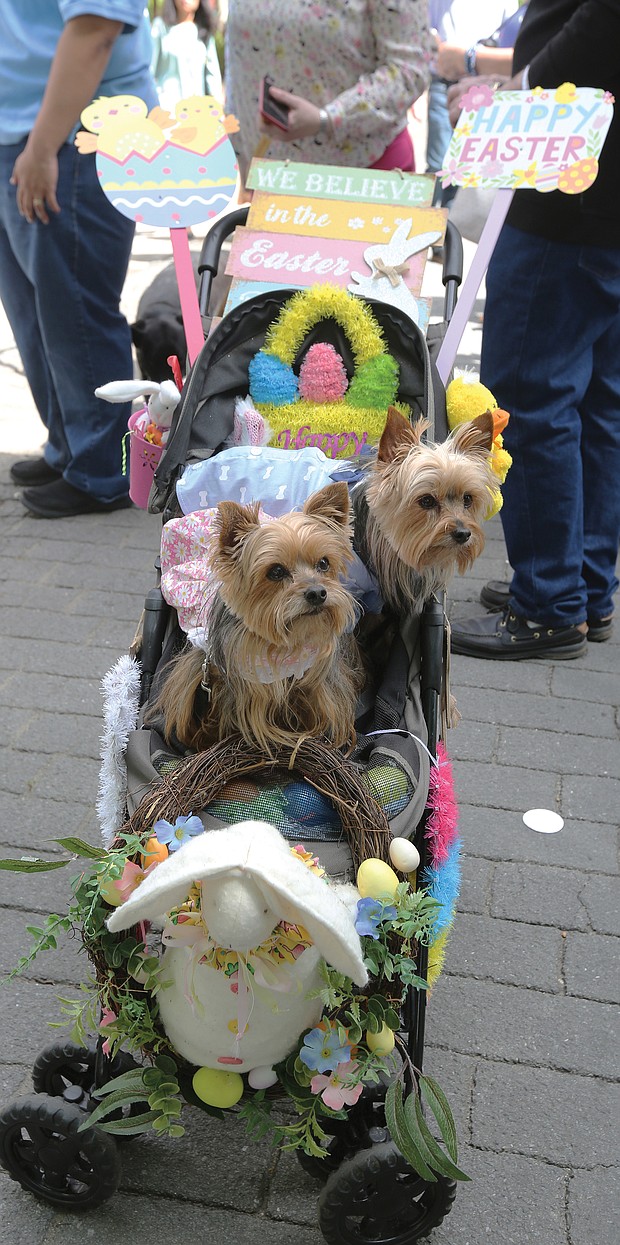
x=316, y=596
x=461, y=535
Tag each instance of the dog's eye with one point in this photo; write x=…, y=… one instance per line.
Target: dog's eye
x=323, y=564
x=277, y=571
x=427, y=502
x=467, y=500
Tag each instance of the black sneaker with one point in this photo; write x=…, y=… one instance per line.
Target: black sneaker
x=506, y=637
x=496, y=594
x=31, y=472
x=60, y=500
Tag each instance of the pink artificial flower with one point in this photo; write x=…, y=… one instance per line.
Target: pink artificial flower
x=608, y=98
x=107, y=1018
x=131, y=877
x=335, y=1092
x=449, y=173
x=478, y=96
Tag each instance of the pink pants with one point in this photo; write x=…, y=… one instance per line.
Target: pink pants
x=399, y=154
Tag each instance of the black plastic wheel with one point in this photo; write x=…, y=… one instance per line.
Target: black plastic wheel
x=321, y=1168
x=65, y=1064
x=41, y=1148
x=375, y=1198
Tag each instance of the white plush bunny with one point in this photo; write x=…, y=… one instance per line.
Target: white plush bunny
x=243, y=956
x=161, y=405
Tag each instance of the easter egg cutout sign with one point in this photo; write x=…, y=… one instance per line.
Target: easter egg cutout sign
x=160, y=169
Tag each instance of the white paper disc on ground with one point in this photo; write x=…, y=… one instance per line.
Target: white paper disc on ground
x=543, y=820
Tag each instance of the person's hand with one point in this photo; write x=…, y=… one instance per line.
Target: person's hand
x=450, y=62
x=304, y=118
x=456, y=92
x=35, y=173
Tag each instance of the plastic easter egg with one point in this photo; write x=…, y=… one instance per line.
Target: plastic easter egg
x=154, y=852
x=404, y=855
x=381, y=1043
x=375, y=880
x=110, y=892
x=217, y=1088
x=262, y=1078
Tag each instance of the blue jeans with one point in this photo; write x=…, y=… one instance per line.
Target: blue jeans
x=438, y=137
x=60, y=285
x=551, y=357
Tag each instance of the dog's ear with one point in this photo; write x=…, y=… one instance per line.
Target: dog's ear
x=331, y=502
x=138, y=332
x=234, y=522
x=474, y=436
x=399, y=435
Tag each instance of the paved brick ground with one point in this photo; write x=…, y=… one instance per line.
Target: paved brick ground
x=522, y=1028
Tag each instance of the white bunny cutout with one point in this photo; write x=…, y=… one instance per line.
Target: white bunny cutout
x=163, y=401
x=240, y=971
x=387, y=263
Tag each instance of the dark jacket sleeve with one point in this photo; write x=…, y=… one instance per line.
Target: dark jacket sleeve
x=585, y=51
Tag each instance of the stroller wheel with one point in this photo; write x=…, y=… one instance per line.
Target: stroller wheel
x=65, y=1064
x=41, y=1148
x=375, y=1198
x=322, y=1168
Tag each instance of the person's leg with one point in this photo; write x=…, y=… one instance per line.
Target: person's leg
x=600, y=443
x=77, y=266
x=542, y=321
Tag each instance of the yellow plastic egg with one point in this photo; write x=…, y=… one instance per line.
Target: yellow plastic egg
x=375, y=880
x=381, y=1043
x=154, y=852
x=216, y=1087
x=110, y=892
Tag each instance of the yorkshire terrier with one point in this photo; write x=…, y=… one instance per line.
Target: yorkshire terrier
x=282, y=658
x=419, y=511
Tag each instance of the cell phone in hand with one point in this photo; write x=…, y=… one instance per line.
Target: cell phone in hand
x=270, y=109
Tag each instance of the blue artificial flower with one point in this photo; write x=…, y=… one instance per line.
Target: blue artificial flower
x=370, y=914
x=174, y=836
x=322, y=1049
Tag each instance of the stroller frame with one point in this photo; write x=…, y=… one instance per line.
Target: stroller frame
x=362, y=1164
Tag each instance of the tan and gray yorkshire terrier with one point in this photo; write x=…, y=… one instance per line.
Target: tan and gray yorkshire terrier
x=282, y=660
x=418, y=512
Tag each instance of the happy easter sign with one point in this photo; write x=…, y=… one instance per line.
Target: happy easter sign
x=541, y=139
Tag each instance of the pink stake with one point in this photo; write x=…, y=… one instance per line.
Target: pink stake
x=471, y=284
x=186, y=282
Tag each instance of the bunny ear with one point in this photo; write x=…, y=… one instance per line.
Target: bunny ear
x=125, y=390
x=311, y=902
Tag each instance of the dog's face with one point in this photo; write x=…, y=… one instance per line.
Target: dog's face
x=281, y=578
x=429, y=500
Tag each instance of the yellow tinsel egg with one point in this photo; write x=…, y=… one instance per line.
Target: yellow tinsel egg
x=216, y=1087
x=467, y=399
x=375, y=880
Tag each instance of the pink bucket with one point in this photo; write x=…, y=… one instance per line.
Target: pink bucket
x=143, y=460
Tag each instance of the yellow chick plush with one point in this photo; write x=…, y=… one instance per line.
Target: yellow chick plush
x=465, y=399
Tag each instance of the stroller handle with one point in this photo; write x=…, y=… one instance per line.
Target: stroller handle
x=211, y=248
x=452, y=270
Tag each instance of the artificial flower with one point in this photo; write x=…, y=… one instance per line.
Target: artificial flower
x=336, y=1090
x=174, y=836
x=478, y=96
x=108, y=1017
x=370, y=914
x=322, y=1050
x=130, y=878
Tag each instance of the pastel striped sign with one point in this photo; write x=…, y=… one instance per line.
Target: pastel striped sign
x=540, y=139
x=262, y=256
x=332, y=182
x=364, y=222
x=241, y=291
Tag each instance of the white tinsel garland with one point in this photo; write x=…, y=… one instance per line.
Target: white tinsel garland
x=121, y=694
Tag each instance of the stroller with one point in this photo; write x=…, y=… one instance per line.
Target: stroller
x=371, y=1192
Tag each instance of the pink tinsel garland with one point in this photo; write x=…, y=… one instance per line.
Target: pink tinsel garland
x=442, y=825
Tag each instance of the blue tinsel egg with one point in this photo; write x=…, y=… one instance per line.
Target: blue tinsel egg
x=271, y=380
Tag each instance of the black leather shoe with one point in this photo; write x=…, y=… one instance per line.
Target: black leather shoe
x=33, y=471
x=505, y=637
x=496, y=594
x=60, y=500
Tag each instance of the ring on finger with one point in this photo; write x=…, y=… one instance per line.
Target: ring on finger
x=38, y=202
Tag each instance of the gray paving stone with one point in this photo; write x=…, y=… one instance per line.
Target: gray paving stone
x=587, y=685
x=510, y=1201
x=528, y=711
x=129, y=1220
x=13, y=725
x=592, y=966
x=20, y=771
x=118, y=606
x=505, y=951
x=27, y=623
x=39, y=892
x=69, y=660
x=53, y=692
x=475, y=741
x=554, y=1116
x=68, y=776
x=524, y=676
x=48, y=732
x=51, y=602
x=601, y=899
x=30, y=824
x=476, y=878
x=456, y=1074
x=512, y=786
x=15, y=1082
x=524, y=1026
x=30, y=1010
x=199, y=1164
x=293, y=1193
x=597, y=799
x=499, y=835
x=563, y=754
x=594, y=1207
x=540, y=894
x=68, y=964
x=23, y=1220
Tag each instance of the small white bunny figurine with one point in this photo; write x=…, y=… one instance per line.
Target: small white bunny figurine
x=243, y=956
x=161, y=405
